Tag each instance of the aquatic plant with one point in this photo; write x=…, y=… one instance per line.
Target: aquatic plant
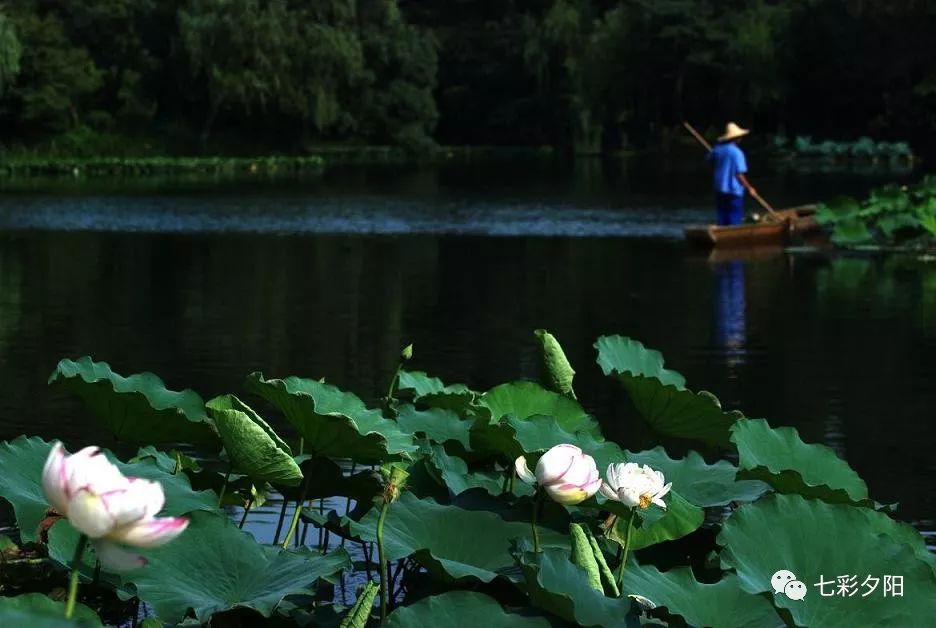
x=864, y=150
x=667, y=541
x=892, y=216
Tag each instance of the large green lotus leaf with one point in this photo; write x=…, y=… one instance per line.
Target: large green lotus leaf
x=333, y=422
x=21, y=463
x=659, y=395
x=819, y=542
x=512, y=437
x=137, y=409
x=723, y=603
x=432, y=392
x=214, y=567
x=701, y=483
x=623, y=354
x=38, y=611
x=461, y=609
x=778, y=456
x=422, y=384
x=437, y=424
x=453, y=472
x=455, y=541
x=558, y=585
x=251, y=444
x=679, y=519
x=525, y=399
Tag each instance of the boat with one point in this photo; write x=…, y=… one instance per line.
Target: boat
x=771, y=228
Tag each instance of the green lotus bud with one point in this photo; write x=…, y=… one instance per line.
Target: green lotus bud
x=583, y=556
x=407, y=352
x=360, y=613
x=557, y=373
x=610, y=584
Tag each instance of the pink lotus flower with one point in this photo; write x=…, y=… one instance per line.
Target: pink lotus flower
x=110, y=509
x=565, y=473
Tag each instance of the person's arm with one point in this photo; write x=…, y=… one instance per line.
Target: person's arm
x=741, y=168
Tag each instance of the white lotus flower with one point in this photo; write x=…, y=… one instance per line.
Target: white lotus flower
x=565, y=473
x=635, y=486
x=108, y=508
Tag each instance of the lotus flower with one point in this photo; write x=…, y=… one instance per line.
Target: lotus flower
x=108, y=508
x=566, y=474
x=634, y=486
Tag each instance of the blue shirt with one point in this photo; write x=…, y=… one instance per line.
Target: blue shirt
x=729, y=163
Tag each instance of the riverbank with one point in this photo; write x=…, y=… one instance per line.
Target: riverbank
x=315, y=161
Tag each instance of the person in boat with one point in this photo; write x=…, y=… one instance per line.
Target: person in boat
x=730, y=182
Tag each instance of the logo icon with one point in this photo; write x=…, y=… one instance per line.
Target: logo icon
x=785, y=583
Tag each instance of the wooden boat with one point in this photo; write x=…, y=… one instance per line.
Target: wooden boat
x=772, y=228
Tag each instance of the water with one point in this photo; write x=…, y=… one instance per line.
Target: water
x=204, y=284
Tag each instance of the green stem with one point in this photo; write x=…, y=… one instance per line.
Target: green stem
x=536, y=507
x=627, y=536
x=394, y=380
x=295, y=519
x=347, y=506
x=279, y=524
x=75, y=572
x=246, y=512
x=223, y=488
x=382, y=557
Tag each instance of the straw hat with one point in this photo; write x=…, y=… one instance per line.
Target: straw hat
x=733, y=132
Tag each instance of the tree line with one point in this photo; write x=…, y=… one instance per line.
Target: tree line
x=589, y=75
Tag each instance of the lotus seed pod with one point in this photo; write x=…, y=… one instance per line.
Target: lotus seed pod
x=557, y=373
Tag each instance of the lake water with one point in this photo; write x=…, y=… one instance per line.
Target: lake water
x=205, y=283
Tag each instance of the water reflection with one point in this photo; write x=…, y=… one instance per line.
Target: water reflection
x=729, y=316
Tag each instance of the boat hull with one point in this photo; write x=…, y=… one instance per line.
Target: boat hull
x=772, y=229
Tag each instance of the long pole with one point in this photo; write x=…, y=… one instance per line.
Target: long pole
x=708, y=146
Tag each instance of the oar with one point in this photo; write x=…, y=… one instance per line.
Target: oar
x=750, y=190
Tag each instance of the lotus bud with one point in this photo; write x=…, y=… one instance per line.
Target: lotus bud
x=407, y=353
x=565, y=473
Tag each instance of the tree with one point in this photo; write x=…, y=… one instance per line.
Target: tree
x=239, y=48
x=397, y=104
x=326, y=66
x=56, y=77
x=10, y=53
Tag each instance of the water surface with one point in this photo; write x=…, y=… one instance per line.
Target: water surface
x=205, y=283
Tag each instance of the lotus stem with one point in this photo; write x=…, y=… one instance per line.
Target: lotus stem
x=295, y=519
x=279, y=524
x=75, y=573
x=246, y=512
x=322, y=529
x=223, y=488
x=382, y=557
x=347, y=505
x=536, y=507
x=627, y=536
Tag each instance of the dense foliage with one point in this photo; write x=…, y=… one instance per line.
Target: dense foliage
x=451, y=524
x=245, y=75
x=891, y=216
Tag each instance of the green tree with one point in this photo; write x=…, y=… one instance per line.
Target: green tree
x=397, y=103
x=56, y=77
x=238, y=48
x=10, y=53
x=326, y=66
